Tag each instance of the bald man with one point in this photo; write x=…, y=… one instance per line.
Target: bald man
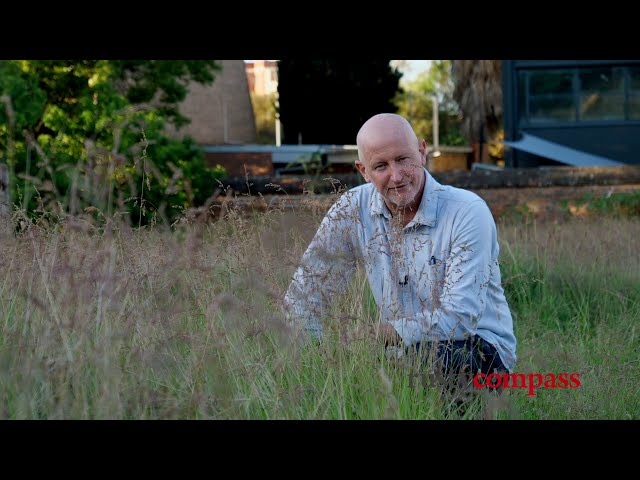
x=430, y=253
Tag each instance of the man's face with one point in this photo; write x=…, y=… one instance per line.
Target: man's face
x=393, y=162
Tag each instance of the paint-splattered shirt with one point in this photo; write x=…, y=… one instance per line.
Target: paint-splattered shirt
x=437, y=278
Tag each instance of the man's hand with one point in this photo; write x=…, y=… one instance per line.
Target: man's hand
x=380, y=332
x=388, y=334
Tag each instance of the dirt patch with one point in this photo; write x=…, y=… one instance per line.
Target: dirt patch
x=541, y=203
x=547, y=203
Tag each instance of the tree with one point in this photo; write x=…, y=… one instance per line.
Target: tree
x=416, y=104
x=91, y=133
x=327, y=101
x=264, y=109
x=478, y=92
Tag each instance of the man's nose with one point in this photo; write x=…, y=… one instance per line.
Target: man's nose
x=396, y=174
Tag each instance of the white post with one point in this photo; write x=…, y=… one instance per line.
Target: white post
x=225, y=128
x=278, y=143
x=436, y=133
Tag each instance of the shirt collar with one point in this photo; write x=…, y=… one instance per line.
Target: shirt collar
x=427, y=210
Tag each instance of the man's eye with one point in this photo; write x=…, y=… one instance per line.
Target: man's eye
x=378, y=167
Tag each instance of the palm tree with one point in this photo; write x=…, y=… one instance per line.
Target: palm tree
x=478, y=92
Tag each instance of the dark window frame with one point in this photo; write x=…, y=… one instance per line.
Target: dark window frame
x=524, y=118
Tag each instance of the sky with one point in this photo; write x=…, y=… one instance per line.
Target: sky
x=412, y=68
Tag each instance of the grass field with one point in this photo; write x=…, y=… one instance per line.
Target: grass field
x=113, y=322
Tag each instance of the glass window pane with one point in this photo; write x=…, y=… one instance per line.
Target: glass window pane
x=634, y=76
x=522, y=96
x=551, y=98
x=634, y=106
x=602, y=79
x=552, y=108
x=551, y=81
x=634, y=92
x=601, y=93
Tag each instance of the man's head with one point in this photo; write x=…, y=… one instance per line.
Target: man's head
x=392, y=158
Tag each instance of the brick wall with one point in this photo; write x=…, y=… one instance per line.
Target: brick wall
x=257, y=163
x=221, y=112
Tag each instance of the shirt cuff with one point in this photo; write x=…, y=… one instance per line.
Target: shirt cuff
x=409, y=330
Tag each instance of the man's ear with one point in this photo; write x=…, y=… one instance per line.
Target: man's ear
x=423, y=147
x=423, y=152
x=363, y=170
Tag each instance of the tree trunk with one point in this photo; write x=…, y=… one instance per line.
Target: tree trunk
x=5, y=210
x=478, y=92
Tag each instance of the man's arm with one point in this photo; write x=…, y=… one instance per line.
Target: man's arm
x=325, y=269
x=388, y=334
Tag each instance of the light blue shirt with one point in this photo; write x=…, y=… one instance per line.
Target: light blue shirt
x=438, y=278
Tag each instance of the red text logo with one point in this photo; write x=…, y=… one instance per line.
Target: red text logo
x=530, y=381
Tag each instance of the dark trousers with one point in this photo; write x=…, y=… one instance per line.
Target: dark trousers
x=455, y=362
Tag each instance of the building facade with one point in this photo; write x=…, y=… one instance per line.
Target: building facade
x=220, y=113
x=571, y=112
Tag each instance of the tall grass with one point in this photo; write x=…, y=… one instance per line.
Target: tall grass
x=575, y=294
x=103, y=320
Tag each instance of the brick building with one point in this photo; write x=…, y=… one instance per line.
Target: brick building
x=220, y=113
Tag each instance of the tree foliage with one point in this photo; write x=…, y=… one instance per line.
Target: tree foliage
x=327, y=101
x=264, y=110
x=91, y=133
x=415, y=103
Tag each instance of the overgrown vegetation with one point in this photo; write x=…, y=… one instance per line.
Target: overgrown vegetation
x=102, y=320
x=80, y=134
x=108, y=313
x=264, y=110
x=620, y=204
x=415, y=103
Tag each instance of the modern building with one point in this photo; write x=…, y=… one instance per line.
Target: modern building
x=571, y=112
